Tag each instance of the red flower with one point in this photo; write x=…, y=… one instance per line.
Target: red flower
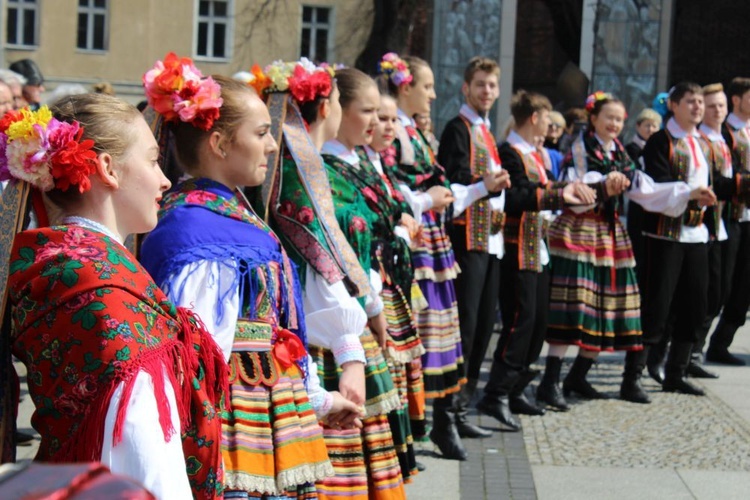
x=370, y=194
x=68, y=405
x=288, y=349
x=73, y=160
x=199, y=197
x=305, y=86
x=8, y=118
x=305, y=215
x=287, y=208
x=85, y=388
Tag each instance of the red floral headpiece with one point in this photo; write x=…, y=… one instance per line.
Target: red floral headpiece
x=303, y=79
x=177, y=90
x=44, y=151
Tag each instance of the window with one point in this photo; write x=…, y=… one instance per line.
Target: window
x=92, y=24
x=214, y=29
x=316, y=33
x=21, y=27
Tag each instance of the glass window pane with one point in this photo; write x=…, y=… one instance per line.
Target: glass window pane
x=220, y=40
x=30, y=1
x=11, y=27
x=100, y=3
x=322, y=16
x=29, y=20
x=99, y=26
x=83, y=3
x=304, y=50
x=321, y=45
x=307, y=14
x=220, y=9
x=82, y=29
x=203, y=8
x=202, y=39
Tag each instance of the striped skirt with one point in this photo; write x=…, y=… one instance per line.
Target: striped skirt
x=401, y=424
x=365, y=461
x=271, y=441
x=594, y=298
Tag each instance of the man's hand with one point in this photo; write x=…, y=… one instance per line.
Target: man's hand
x=704, y=195
x=496, y=181
x=578, y=193
x=441, y=197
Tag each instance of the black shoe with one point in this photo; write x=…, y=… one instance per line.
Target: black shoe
x=632, y=390
x=723, y=357
x=656, y=371
x=548, y=391
x=679, y=384
x=576, y=380
x=520, y=405
x=449, y=443
x=24, y=439
x=697, y=370
x=500, y=411
x=420, y=466
x=471, y=431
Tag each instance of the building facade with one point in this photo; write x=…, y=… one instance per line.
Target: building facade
x=88, y=41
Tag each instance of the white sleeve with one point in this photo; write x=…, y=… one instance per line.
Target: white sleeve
x=334, y=319
x=418, y=202
x=143, y=454
x=402, y=233
x=205, y=287
x=373, y=302
x=668, y=198
x=465, y=196
x=320, y=399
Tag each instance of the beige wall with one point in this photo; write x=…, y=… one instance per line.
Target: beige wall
x=142, y=31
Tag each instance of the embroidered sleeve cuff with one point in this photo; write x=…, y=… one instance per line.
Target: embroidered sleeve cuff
x=321, y=404
x=550, y=199
x=348, y=348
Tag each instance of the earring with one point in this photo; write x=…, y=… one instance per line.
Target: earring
x=223, y=154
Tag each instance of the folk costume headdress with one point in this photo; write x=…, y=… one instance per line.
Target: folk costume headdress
x=38, y=153
x=307, y=221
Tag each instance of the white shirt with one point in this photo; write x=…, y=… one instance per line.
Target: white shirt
x=716, y=137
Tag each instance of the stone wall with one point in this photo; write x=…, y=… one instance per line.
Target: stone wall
x=462, y=29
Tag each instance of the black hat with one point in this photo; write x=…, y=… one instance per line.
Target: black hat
x=30, y=70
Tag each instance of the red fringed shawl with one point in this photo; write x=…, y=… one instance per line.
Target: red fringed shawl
x=87, y=317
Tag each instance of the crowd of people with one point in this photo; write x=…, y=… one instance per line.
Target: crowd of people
x=316, y=265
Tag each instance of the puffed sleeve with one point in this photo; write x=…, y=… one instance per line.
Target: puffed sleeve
x=334, y=319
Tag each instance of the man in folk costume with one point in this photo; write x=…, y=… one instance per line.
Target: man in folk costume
x=736, y=132
x=524, y=289
x=676, y=262
x=469, y=154
x=727, y=183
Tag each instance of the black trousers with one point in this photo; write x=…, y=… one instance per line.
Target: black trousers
x=477, y=289
x=738, y=300
x=524, y=305
x=675, y=275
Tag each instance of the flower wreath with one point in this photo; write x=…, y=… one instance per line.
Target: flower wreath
x=44, y=151
x=303, y=79
x=597, y=96
x=396, y=69
x=177, y=90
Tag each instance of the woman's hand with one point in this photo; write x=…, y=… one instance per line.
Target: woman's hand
x=616, y=183
x=344, y=414
x=352, y=382
x=441, y=197
x=379, y=327
x=578, y=193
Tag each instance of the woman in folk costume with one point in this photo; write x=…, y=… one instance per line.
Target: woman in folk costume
x=337, y=293
x=424, y=185
x=368, y=215
x=594, y=298
x=212, y=252
x=116, y=371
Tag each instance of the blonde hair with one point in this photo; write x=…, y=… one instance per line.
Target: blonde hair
x=712, y=88
x=648, y=114
x=557, y=118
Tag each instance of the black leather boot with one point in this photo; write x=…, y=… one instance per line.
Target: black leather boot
x=518, y=402
x=444, y=433
x=461, y=409
x=718, y=349
x=576, y=380
x=696, y=369
x=549, y=391
x=657, y=355
x=677, y=362
x=631, y=388
x=498, y=408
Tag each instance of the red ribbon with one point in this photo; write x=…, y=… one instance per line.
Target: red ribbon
x=288, y=349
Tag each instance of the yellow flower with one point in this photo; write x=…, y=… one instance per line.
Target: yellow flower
x=25, y=127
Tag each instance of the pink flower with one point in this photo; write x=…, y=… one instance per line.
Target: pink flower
x=77, y=236
x=85, y=388
x=369, y=194
x=305, y=215
x=68, y=405
x=358, y=224
x=49, y=251
x=199, y=197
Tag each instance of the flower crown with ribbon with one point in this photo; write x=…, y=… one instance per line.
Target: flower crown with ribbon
x=178, y=91
x=396, y=69
x=302, y=79
x=45, y=152
x=597, y=96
